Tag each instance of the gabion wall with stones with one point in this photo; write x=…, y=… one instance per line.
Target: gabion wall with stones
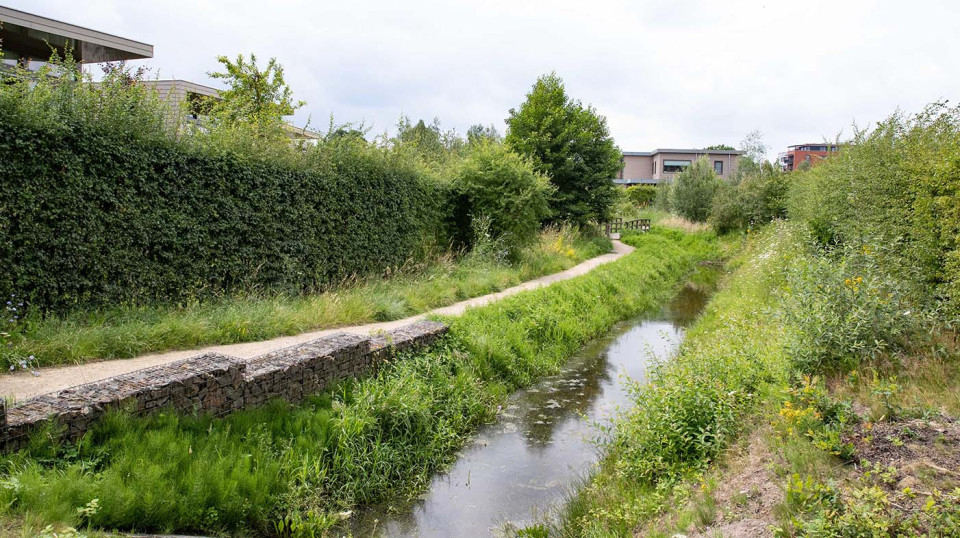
x=213, y=383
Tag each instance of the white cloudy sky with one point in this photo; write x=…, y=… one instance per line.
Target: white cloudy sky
x=664, y=73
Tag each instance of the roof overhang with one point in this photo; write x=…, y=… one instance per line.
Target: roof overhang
x=34, y=35
x=693, y=151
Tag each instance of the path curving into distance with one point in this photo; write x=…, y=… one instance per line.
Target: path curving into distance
x=23, y=385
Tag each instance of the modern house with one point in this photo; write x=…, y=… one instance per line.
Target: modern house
x=29, y=40
x=654, y=167
x=193, y=100
x=809, y=153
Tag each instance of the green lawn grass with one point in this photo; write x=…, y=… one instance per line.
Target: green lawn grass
x=124, y=332
x=284, y=469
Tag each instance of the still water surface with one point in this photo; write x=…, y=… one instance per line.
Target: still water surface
x=523, y=464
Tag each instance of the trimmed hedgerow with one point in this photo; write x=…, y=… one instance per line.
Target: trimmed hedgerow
x=89, y=215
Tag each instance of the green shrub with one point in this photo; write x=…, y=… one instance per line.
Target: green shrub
x=758, y=197
x=692, y=191
x=498, y=184
x=663, y=201
x=727, y=213
x=897, y=189
x=842, y=309
x=570, y=143
x=93, y=214
x=641, y=195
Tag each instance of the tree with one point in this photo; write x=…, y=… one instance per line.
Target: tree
x=693, y=190
x=428, y=143
x=754, y=154
x=256, y=97
x=719, y=147
x=572, y=145
x=478, y=133
x=753, y=147
x=500, y=185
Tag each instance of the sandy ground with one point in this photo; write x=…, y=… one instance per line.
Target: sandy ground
x=22, y=385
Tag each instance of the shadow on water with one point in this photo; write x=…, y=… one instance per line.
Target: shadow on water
x=520, y=466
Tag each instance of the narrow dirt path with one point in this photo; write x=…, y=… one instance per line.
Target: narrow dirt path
x=22, y=385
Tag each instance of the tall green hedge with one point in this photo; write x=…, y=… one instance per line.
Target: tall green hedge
x=90, y=215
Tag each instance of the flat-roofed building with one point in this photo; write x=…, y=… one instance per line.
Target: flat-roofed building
x=29, y=40
x=193, y=101
x=654, y=167
x=811, y=153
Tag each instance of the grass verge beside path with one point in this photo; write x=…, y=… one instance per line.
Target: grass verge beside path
x=125, y=332
x=296, y=470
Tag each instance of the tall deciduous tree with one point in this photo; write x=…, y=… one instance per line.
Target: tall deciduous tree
x=255, y=96
x=572, y=145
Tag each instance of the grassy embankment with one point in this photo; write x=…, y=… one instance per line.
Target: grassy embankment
x=834, y=346
x=296, y=469
x=124, y=332
x=807, y=401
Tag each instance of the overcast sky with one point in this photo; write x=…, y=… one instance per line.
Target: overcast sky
x=664, y=73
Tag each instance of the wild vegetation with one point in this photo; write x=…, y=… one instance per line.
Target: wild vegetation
x=415, y=287
x=832, y=343
x=142, y=231
x=572, y=145
x=293, y=470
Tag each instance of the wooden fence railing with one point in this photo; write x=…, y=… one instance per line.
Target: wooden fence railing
x=618, y=225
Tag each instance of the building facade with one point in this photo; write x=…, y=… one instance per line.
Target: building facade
x=191, y=101
x=29, y=41
x=805, y=153
x=654, y=167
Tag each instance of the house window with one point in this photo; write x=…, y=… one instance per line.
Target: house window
x=670, y=167
x=718, y=167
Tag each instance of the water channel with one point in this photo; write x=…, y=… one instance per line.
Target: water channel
x=517, y=468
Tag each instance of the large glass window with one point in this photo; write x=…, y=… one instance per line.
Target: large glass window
x=718, y=167
x=674, y=166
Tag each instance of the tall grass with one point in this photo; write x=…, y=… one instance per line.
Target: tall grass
x=693, y=405
x=284, y=469
x=124, y=332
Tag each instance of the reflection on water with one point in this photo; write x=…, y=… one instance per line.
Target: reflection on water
x=522, y=464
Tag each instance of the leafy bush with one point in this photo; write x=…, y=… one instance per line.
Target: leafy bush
x=572, y=145
x=757, y=198
x=663, y=200
x=498, y=184
x=100, y=205
x=641, y=195
x=727, y=213
x=896, y=188
x=842, y=309
x=692, y=191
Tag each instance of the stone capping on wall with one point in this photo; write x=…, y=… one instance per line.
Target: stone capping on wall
x=213, y=383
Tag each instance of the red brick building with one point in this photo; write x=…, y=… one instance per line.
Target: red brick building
x=811, y=153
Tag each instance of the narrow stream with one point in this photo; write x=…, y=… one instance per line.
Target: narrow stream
x=522, y=465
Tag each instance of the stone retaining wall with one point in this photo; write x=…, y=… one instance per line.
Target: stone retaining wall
x=213, y=383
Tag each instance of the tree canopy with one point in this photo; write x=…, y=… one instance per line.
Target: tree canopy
x=572, y=145
x=255, y=96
